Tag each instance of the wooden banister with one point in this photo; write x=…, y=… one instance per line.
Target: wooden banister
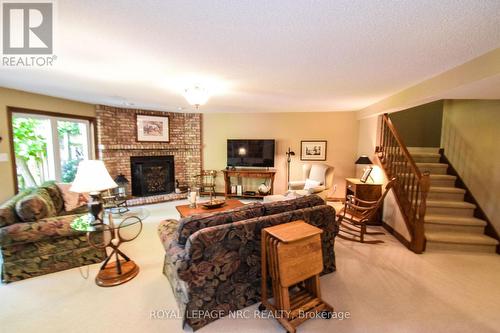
x=402, y=145
x=412, y=185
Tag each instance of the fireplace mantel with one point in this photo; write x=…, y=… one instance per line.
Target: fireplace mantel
x=147, y=146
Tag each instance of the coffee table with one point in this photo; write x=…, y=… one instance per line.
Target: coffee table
x=185, y=210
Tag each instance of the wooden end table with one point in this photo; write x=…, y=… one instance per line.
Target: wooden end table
x=185, y=210
x=367, y=192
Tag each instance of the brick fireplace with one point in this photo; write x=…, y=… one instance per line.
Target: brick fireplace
x=118, y=145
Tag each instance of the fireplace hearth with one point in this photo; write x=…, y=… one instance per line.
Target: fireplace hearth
x=152, y=175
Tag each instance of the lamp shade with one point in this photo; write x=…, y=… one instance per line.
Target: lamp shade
x=196, y=96
x=363, y=159
x=92, y=176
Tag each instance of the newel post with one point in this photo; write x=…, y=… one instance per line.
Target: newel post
x=419, y=236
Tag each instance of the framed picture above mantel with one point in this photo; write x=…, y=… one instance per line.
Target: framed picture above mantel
x=153, y=128
x=313, y=150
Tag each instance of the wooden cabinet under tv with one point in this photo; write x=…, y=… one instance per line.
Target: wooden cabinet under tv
x=247, y=173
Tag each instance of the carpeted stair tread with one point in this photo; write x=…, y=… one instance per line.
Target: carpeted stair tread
x=443, y=189
x=442, y=177
x=450, y=204
x=424, y=154
x=429, y=164
x=454, y=220
x=433, y=168
x=459, y=238
x=449, y=221
x=433, y=176
x=425, y=164
x=412, y=150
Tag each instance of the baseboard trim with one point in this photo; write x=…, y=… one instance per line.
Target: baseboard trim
x=397, y=235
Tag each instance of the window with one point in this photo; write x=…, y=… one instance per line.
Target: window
x=49, y=147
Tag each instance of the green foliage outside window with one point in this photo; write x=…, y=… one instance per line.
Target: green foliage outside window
x=66, y=130
x=69, y=171
x=28, y=146
x=30, y=149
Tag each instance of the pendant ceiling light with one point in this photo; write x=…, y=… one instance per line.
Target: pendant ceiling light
x=196, y=96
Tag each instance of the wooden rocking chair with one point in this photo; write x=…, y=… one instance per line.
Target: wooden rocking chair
x=356, y=212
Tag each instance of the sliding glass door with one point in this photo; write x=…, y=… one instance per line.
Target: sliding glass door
x=73, y=146
x=48, y=148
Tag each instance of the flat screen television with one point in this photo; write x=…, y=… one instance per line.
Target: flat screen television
x=250, y=153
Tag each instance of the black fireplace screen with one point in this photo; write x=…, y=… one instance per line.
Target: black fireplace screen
x=152, y=175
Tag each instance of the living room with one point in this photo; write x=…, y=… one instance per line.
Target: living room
x=143, y=166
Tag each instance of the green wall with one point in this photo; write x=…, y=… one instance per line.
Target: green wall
x=420, y=126
x=471, y=138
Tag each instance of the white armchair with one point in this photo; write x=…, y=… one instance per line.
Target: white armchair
x=316, y=179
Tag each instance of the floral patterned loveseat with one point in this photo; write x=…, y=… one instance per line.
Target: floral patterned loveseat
x=36, y=237
x=213, y=260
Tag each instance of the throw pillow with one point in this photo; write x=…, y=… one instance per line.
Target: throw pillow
x=72, y=200
x=318, y=172
x=36, y=206
x=8, y=214
x=310, y=184
x=55, y=195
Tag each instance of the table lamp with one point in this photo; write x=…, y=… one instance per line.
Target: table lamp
x=93, y=178
x=242, y=152
x=365, y=160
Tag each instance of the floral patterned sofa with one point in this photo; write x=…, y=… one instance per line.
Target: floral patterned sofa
x=213, y=260
x=36, y=237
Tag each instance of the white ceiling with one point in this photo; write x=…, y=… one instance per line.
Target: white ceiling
x=257, y=56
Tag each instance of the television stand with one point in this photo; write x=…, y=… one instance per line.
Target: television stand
x=247, y=173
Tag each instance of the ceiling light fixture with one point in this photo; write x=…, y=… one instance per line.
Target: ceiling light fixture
x=196, y=96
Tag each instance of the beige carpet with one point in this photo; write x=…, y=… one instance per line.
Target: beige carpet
x=385, y=288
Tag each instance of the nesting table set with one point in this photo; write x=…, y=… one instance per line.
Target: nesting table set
x=292, y=257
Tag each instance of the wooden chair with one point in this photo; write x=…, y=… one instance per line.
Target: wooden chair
x=114, y=202
x=206, y=181
x=353, y=216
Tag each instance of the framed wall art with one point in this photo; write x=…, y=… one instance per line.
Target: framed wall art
x=366, y=174
x=313, y=150
x=153, y=128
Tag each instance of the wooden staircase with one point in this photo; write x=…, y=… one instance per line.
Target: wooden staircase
x=434, y=208
x=449, y=221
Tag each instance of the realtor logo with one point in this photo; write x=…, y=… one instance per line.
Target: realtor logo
x=27, y=27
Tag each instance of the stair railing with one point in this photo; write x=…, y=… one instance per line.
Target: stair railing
x=411, y=187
